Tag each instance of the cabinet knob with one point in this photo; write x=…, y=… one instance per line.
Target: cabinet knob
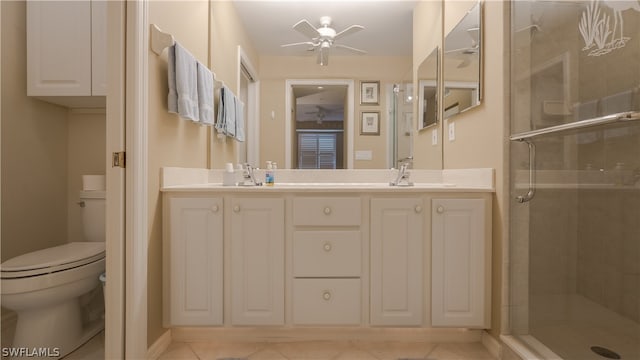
x=327, y=246
x=215, y=208
x=440, y=209
x=327, y=210
x=236, y=208
x=418, y=208
x=326, y=295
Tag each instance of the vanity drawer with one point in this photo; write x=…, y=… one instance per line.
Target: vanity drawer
x=326, y=254
x=318, y=211
x=326, y=301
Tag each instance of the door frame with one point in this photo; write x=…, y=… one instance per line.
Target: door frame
x=253, y=111
x=350, y=120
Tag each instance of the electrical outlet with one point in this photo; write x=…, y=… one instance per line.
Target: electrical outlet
x=434, y=137
x=452, y=131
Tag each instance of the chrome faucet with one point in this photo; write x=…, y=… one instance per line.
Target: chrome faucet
x=249, y=176
x=402, y=179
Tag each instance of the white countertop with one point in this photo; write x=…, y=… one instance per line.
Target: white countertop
x=463, y=180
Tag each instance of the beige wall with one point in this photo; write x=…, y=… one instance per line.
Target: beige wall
x=86, y=149
x=275, y=70
x=481, y=132
x=34, y=151
x=171, y=140
x=427, y=34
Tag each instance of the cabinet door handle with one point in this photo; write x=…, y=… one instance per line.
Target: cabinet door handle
x=236, y=208
x=326, y=295
x=440, y=209
x=418, y=209
x=215, y=208
x=327, y=246
x=327, y=210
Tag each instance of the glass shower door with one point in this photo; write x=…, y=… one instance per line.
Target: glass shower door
x=575, y=241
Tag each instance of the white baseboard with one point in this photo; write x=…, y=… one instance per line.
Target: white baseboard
x=159, y=346
x=492, y=345
x=283, y=334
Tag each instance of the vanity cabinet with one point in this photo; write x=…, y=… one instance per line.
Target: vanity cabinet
x=327, y=260
x=397, y=239
x=194, y=262
x=66, y=48
x=460, y=263
x=257, y=261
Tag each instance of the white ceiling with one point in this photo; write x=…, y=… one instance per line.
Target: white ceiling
x=388, y=24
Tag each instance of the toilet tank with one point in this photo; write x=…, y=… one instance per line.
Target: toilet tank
x=92, y=206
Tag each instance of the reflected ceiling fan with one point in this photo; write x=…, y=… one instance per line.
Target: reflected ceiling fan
x=324, y=37
x=466, y=52
x=320, y=113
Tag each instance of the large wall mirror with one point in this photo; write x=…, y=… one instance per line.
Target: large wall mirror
x=428, y=90
x=462, y=63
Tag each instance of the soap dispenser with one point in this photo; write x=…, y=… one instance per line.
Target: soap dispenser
x=268, y=175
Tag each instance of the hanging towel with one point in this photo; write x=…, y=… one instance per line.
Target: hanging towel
x=221, y=124
x=239, y=120
x=230, y=112
x=172, y=98
x=186, y=83
x=205, y=94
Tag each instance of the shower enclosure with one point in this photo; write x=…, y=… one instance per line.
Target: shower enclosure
x=575, y=178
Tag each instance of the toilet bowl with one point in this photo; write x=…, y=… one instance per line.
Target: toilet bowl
x=44, y=287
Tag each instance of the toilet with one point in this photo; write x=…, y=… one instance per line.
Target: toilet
x=44, y=287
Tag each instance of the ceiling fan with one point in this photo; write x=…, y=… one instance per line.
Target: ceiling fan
x=465, y=52
x=321, y=113
x=324, y=37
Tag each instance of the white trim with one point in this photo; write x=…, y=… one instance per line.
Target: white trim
x=253, y=118
x=391, y=132
x=492, y=345
x=136, y=180
x=115, y=177
x=159, y=346
x=350, y=121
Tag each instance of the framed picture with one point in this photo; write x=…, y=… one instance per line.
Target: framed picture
x=370, y=123
x=369, y=92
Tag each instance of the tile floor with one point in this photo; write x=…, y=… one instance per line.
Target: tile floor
x=326, y=350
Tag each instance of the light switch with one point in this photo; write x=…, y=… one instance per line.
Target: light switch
x=364, y=155
x=452, y=131
x=434, y=137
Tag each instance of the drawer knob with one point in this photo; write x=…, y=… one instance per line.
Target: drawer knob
x=214, y=208
x=440, y=209
x=236, y=208
x=326, y=295
x=327, y=246
x=418, y=208
x=327, y=210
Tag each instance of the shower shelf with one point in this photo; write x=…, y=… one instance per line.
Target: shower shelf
x=582, y=124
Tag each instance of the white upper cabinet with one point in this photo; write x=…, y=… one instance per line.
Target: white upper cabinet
x=66, y=48
x=461, y=252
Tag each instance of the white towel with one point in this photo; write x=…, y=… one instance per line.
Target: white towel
x=186, y=83
x=239, y=120
x=221, y=124
x=172, y=98
x=205, y=94
x=230, y=112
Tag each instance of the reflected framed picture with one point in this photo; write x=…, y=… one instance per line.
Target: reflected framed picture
x=369, y=92
x=370, y=123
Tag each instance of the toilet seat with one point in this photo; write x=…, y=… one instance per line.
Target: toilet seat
x=53, y=259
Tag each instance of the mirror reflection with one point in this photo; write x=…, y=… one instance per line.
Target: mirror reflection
x=428, y=90
x=462, y=65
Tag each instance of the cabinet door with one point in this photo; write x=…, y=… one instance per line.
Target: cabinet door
x=195, y=269
x=459, y=281
x=58, y=48
x=396, y=261
x=257, y=261
x=99, y=48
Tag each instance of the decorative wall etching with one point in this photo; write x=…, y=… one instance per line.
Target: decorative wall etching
x=595, y=28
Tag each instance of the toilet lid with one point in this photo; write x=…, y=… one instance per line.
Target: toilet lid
x=53, y=259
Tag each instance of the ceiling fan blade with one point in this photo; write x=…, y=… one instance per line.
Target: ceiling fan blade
x=298, y=43
x=304, y=27
x=323, y=57
x=350, y=48
x=348, y=31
